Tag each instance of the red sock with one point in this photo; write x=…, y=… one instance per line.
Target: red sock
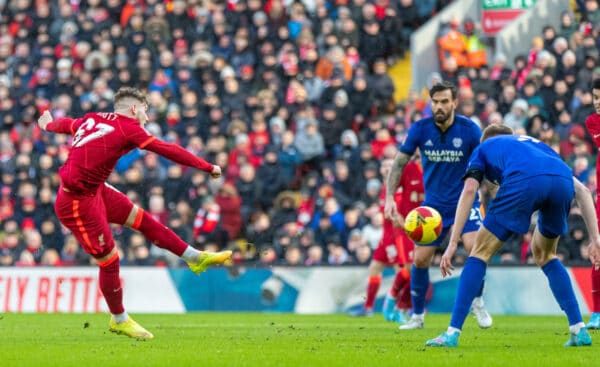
x=399, y=282
x=595, y=289
x=110, y=285
x=159, y=235
x=372, y=288
x=404, y=300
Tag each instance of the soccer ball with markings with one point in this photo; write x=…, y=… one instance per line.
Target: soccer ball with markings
x=423, y=225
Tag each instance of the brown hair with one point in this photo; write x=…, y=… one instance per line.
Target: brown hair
x=495, y=130
x=129, y=92
x=440, y=87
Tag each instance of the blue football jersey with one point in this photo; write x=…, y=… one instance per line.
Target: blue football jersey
x=516, y=157
x=445, y=156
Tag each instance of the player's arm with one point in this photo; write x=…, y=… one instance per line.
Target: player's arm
x=391, y=185
x=179, y=155
x=62, y=125
x=463, y=209
x=586, y=204
x=472, y=182
x=592, y=123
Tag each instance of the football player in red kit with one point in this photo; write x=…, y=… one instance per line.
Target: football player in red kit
x=86, y=204
x=592, y=124
x=395, y=248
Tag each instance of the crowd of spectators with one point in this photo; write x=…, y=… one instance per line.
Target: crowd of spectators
x=265, y=89
x=292, y=99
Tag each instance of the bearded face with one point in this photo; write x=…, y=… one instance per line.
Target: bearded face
x=443, y=106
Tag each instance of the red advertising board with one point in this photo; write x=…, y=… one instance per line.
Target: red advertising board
x=492, y=21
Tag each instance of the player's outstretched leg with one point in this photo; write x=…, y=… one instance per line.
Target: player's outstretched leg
x=130, y=328
x=165, y=238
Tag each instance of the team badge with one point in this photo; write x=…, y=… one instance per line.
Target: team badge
x=457, y=142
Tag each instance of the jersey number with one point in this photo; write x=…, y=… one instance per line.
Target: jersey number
x=475, y=214
x=528, y=138
x=93, y=130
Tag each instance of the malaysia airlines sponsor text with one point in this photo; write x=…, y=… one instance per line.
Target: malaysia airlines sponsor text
x=444, y=155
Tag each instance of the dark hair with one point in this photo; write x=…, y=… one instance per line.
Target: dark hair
x=130, y=92
x=596, y=83
x=440, y=87
x=494, y=130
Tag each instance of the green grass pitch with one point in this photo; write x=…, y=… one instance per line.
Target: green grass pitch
x=250, y=339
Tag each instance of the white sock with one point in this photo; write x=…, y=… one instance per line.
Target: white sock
x=574, y=329
x=419, y=316
x=121, y=317
x=190, y=254
x=451, y=330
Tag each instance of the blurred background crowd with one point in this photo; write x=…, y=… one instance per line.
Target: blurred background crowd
x=293, y=99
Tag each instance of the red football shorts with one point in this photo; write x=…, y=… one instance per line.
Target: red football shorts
x=395, y=248
x=88, y=217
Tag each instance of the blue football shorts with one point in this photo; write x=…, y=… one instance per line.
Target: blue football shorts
x=515, y=202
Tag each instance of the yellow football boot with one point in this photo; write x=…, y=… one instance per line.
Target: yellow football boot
x=130, y=328
x=207, y=259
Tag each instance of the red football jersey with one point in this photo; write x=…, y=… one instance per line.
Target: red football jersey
x=592, y=123
x=410, y=192
x=100, y=139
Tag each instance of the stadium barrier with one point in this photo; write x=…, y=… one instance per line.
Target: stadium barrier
x=313, y=290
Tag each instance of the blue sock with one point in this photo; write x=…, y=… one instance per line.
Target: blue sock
x=560, y=283
x=480, y=293
x=471, y=281
x=419, y=282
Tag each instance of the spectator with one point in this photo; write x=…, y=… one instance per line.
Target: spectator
x=293, y=256
x=72, y=254
x=476, y=50
x=314, y=256
x=269, y=175
x=207, y=218
x=452, y=46
x=331, y=126
x=382, y=86
x=289, y=159
x=362, y=255
x=374, y=230
x=338, y=255
x=259, y=230
x=249, y=189
x=310, y=144
x=230, y=203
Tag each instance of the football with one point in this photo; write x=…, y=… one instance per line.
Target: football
x=423, y=225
